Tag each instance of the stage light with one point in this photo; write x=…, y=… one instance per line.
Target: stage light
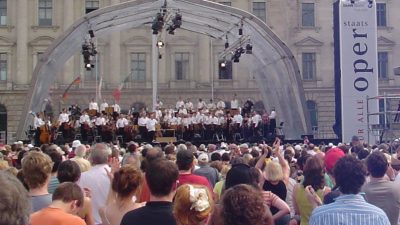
x=160, y=44
x=177, y=20
x=158, y=23
x=226, y=42
x=249, y=49
x=91, y=33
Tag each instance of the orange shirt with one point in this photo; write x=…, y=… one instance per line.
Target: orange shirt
x=55, y=216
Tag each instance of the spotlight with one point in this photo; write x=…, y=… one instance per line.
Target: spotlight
x=158, y=23
x=222, y=65
x=159, y=56
x=249, y=49
x=240, y=31
x=160, y=44
x=91, y=33
x=88, y=65
x=177, y=20
x=237, y=54
x=226, y=45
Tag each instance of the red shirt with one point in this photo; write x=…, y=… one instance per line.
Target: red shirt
x=194, y=179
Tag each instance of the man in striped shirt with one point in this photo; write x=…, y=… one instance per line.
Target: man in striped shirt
x=350, y=208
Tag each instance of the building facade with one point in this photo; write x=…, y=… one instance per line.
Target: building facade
x=188, y=66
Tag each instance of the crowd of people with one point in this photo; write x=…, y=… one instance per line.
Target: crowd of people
x=184, y=121
x=185, y=184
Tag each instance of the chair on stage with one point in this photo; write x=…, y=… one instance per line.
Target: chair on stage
x=120, y=138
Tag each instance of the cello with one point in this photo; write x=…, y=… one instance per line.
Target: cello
x=45, y=135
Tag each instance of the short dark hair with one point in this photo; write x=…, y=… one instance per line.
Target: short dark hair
x=215, y=157
x=68, y=192
x=377, y=164
x=56, y=157
x=349, y=173
x=68, y=171
x=184, y=159
x=161, y=176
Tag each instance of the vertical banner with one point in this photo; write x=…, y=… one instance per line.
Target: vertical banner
x=359, y=67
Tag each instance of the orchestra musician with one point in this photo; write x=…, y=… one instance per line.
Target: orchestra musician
x=255, y=123
x=201, y=105
x=120, y=125
x=220, y=104
x=180, y=103
x=63, y=120
x=100, y=121
x=142, y=125
x=93, y=105
x=103, y=106
x=235, y=102
x=37, y=123
x=151, y=127
x=189, y=105
x=84, y=122
x=272, y=121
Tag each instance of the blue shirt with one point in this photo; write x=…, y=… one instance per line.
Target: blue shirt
x=348, y=210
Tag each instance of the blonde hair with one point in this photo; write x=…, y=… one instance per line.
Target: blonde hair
x=273, y=171
x=36, y=169
x=183, y=210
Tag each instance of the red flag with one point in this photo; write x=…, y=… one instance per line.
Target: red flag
x=117, y=92
x=76, y=81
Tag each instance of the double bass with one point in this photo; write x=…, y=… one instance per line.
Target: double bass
x=45, y=133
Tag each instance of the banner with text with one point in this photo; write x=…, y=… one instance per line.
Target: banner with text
x=359, y=67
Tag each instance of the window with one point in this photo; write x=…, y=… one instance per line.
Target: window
x=383, y=67
x=45, y=12
x=259, y=10
x=182, y=66
x=91, y=5
x=3, y=12
x=3, y=66
x=382, y=116
x=309, y=66
x=312, y=110
x=225, y=72
x=138, y=66
x=307, y=15
x=381, y=14
x=226, y=3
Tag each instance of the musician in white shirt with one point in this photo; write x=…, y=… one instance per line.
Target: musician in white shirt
x=179, y=104
x=84, y=123
x=201, y=105
x=103, y=106
x=189, y=105
x=151, y=127
x=220, y=104
x=211, y=105
x=93, y=105
x=272, y=121
x=37, y=123
x=63, y=117
x=234, y=103
x=142, y=125
x=117, y=108
x=120, y=124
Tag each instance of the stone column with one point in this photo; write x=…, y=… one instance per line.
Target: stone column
x=204, y=72
x=68, y=20
x=22, y=43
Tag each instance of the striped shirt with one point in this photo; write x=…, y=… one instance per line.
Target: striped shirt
x=348, y=210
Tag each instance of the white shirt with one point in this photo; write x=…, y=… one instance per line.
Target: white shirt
x=158, y=114
x=189, y=105
x=221, y=105
x=201, y=105
x=117, y=108
x=142, y=121
x=182, y=111
x=256, y=119
x=97, y=181
x=103, y=106
x=121, y=123
x=84, y=119
x=272, y=115
x=234, y=104
x=93, y=105
x=211, y=106
x=179, y=104
x=237, y=119
x=63, y=118
x=151, y=124
x=37, y=122
x=100, y=121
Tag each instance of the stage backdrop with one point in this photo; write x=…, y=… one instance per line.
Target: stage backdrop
x=359, y=67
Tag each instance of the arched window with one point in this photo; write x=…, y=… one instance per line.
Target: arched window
x=312, y=110
x=3, y=124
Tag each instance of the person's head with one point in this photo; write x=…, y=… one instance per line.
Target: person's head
x=238, y=174
x=377, y=164
x=80, y=151
x=15, y=206
x=56, y=157
x=314, y=173
x=184, y=159
x=70, y=194
x=68, y=171
x=203, y=159
x=99, y=154
x=349, y=173
x=36, y=167
x=273, y=172
x=161, y=177
x=243, y=205
x=126, y=181
x=192, y=204
x=331, y=157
